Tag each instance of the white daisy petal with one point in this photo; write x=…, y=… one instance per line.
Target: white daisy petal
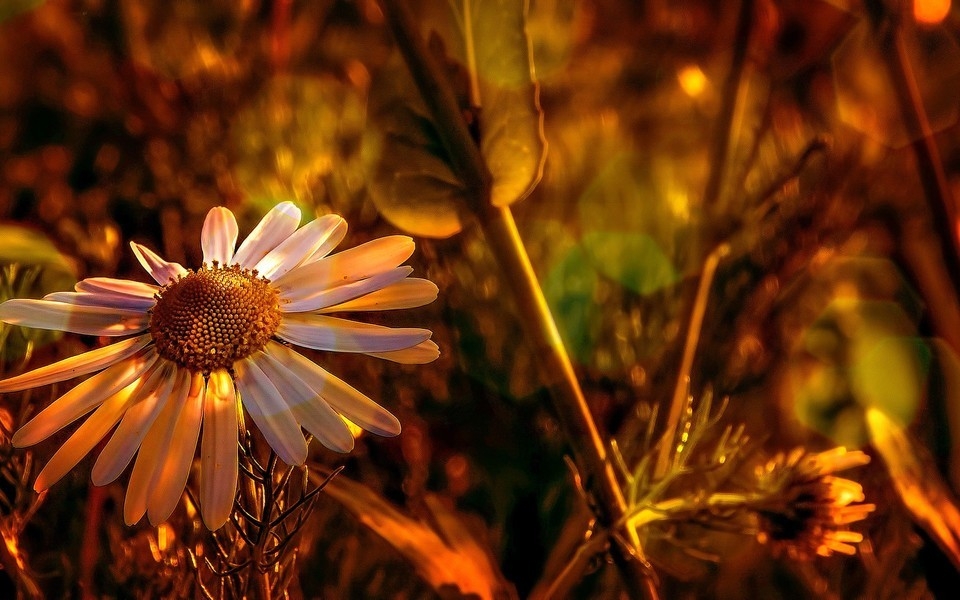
x=80, y=400
x=354, y=264
x=84, y=438
x=274, y=228
x=349, y=291
x=341, y=396
x=219, y=236
x=122, y=287
x=85, y=320
x=311, y=411
x=155, y=450
x=325, y=248
x=408, y=293
x=101, y=299
x=314, y=237
x=145, y=406
x=75, y=366
x=342, y=335
x=162, y=271
x=218, y=450
x=421, y=354
x=270, y=412
x=171, y=476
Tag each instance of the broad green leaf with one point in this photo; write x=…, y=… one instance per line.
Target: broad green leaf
x=26, y=247
x=863, y=355
x=635, y=260
x=633, y=225
x=485, y=50
x=30, y=267
x=413, y=185
x=570, y=287
x=492, y=36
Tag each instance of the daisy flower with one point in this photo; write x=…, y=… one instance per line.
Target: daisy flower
x=212, y=342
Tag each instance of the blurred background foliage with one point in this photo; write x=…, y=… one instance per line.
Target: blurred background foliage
x=129, y=120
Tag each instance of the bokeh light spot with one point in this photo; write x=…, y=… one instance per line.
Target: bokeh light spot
x=692, y=80
x=930, y=12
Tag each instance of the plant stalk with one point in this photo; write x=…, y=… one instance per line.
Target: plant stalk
x=504, y=241
x=682, y=388
x=558, y=375
x=731, y=97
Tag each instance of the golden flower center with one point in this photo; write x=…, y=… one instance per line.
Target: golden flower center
x=210, y=318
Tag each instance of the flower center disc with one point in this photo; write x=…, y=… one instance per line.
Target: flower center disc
x=210, y=318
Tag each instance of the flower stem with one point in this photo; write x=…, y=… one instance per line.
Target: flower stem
x=682, y=389
x=504, y=241
x=731, y=98
x=558, y=375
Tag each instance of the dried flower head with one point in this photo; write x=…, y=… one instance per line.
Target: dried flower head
x=212, y=340
x=806, y=508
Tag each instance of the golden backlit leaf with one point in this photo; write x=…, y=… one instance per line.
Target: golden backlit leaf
x=485, y=50
x=453, y=560
x=489, y=38
x=413, y=185
x=510, y=119
x=27, y=247
x=31, y=267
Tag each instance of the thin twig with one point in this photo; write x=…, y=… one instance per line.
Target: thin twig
x=730, y=100
x=681, y=390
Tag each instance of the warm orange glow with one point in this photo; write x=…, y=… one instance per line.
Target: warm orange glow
x=692, y=80
x=930, y=12
x=11, y=543
x=165, y=536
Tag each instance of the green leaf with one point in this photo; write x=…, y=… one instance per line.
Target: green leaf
x=31, y=267
x=26, y=247
x=413, y=185
x=635, y=260
x=496, y=50
x=571, y=291
x=485, y=50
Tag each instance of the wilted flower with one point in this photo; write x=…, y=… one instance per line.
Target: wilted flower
x=806, y=507
x=213, y=339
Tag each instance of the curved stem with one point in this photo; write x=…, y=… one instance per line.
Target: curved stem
x=689, y=352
